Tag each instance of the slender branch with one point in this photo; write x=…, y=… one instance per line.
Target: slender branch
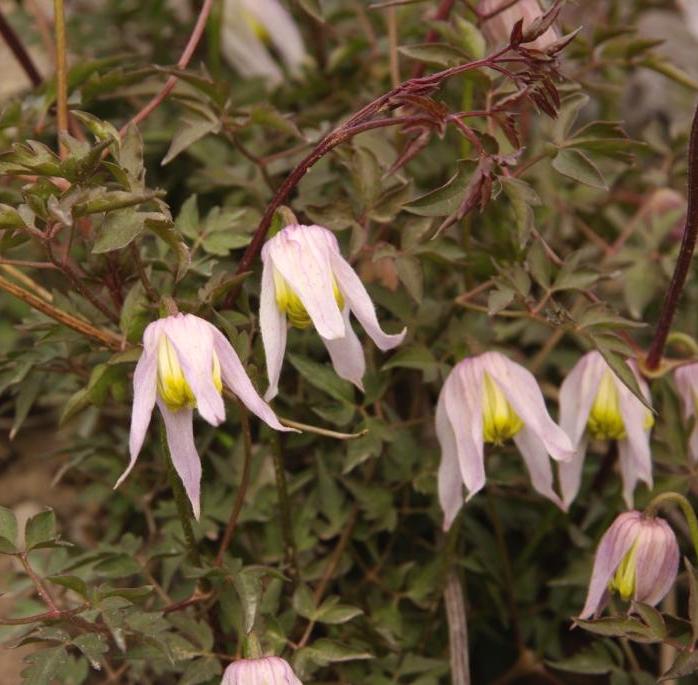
x=142, y=275
x=290, y=554
x=242, y=489
x=107, y=338
x=308, y=428
x=683, y=263
x=330, y=568
x=457, y=630
x=10, y=267
x=77, y=283
x=508, y=571
x=357, y=123
x=41, y=588
x=171, y=82
x=19, y=51
x=61, y=74
x=45, y=616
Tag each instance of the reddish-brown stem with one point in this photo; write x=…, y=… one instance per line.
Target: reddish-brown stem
x=683, y=263
x=19, y=51
x=43, y=591
x=242, y=489
x=171, y=82
x=357, y=123
x=441, y=14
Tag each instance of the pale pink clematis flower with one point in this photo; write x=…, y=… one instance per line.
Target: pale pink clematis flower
x=185, y=363
x=686, y=378
x=306, y=280
x=490, y=398
x=594, y=401
x=638, y=557
x=249, y=28
x=498, y=29
x=269, y=670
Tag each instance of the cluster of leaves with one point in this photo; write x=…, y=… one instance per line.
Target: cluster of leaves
x=534, y=225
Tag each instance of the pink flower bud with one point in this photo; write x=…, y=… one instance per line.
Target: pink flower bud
x=269, y=670
x=498, y=28
x=638, y=557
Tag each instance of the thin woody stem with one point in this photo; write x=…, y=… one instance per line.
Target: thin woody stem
x=357, y=123
x=61, y=74
x=688, y=512
x=457, y=629
x=171, y=82
x=242, y=489
x=683, y=263
x=290, y=553
x=43, y=591
x=107, y=338
x=19, y=51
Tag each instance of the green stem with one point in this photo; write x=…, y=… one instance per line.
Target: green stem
x=184, y=511
x=252, y=649
x=291, y=558
x=688, y=512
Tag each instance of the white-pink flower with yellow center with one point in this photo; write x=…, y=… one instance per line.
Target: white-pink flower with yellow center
x=638, y=557
x=250, y=28
x=490, y=399
x=184, y=365
x=498, y=27
x=686, y=378
x=268, y=670
x=595, y=402
x=306, y=281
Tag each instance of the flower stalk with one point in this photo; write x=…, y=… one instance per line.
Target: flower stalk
x=61, y=74
x=689, y=513
x=683, y=263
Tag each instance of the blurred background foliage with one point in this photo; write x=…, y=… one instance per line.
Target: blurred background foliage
x=345, y=574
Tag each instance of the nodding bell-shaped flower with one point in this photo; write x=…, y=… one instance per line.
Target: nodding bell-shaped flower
x=268, y=670
x=184, y=365
x=594, y=402
x=490, y=398
x=497, y=29
x=249, y=27
x=305, y=280
x=686, y=378
x=638, y=557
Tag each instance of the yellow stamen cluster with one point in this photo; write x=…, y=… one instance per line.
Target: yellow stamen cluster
x=499, y=420
x=291, y=304
x=605, y=419
x=173, y=388
x=623, y=581
x=259, y=29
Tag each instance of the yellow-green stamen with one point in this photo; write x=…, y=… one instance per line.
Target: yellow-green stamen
x=623, y=581
x=173, y=388
x=291, y=304
x=605, y=419
x=499, y=420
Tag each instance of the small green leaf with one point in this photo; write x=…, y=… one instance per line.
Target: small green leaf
x=190, y=130
x=323, y=378
x=118, y=229
x=523, y=198
x=44, y=666
x=576, y=165
x=437, y=54
x=10, y=218
x=447, y=198
x=8, y=525
x=93, y=646
x=40, y=529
